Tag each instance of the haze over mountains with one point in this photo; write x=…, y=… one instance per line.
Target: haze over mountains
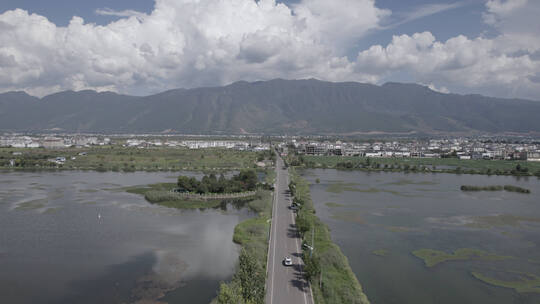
x=272, y=107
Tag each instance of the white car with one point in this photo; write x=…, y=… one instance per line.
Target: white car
x=287, y=261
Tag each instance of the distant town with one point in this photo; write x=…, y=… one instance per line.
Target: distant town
x=67, y=141
x=462, y=148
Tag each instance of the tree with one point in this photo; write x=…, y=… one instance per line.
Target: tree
x=221, y=183
x=185, y=184
x=248, y=178
x=202, y=188
x=312, y=266
x=228, y=294
x=251, y=277
x=303, y=223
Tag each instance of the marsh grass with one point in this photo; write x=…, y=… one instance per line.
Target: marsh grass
x=407, y=182
x=352, y=217
x=381, y=252
x=508, y=188
x=522, y=282
x=433, y=257
x=340, y=187
x=500, y=220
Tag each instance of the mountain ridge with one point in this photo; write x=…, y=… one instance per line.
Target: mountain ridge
x=278, y=106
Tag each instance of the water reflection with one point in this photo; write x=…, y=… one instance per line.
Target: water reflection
x=77, y=237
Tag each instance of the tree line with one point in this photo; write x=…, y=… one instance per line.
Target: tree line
x=246, y=180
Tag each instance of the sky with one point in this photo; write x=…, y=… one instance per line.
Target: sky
x=142, y=47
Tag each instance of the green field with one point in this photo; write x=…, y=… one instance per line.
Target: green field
x=331, y=277
x=118, y=158
x=447, y=165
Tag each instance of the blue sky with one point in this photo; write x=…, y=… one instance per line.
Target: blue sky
x=469, y=46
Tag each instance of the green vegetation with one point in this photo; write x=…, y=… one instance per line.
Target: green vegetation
x=248, y=283
x=161, y=194
x=381, y=252
x=128, y=159
x=348, y=216
x=407, y=182
x=246, y=180
x=339, y=187
x=481, y=188
x=525, y=282
x=500, y=220
x=425, y=165
x=197, y=194
x=328, y=270
x=152, y=187
x=270, y=176
x=509, y=188
x=433, y=257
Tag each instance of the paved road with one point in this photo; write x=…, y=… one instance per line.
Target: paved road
x=285, y=285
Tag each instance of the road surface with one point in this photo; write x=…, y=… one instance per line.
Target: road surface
x=285, y=284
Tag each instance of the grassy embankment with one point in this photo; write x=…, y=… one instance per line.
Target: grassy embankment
x=248, y=283
x=508, y=188
x=425, y=165
x=127, y=159
x=331, y=277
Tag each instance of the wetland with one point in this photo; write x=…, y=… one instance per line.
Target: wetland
x=79, y=237
x=417, y=238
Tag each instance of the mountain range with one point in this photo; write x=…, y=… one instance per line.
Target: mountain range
x=272, y=107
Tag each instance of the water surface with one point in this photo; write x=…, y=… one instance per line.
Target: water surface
x=78, y=237
x=399, y=213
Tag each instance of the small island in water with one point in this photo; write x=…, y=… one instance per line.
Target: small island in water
x=209, y=192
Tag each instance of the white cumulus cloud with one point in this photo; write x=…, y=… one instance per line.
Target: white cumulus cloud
x=506, y=65
x=182, y=43
x=189, y=43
